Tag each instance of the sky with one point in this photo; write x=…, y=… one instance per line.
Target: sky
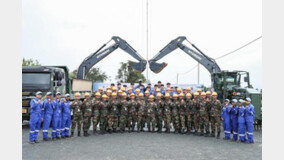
x=65, y=32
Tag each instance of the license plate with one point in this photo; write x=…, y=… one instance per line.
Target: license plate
x=24, y=110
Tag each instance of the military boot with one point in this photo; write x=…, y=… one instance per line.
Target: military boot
x=79, y=134
x=114, y=130
x=206, y=134
x=85, y=134
x=218, y=135
x=201, y=134
x=72, y=134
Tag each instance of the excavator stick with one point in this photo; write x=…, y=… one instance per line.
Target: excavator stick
x=139, y=67
x=157, y=67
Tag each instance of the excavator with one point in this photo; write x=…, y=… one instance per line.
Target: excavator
x=100, y=54
x=228, y=84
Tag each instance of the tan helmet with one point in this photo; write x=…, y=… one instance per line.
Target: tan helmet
x=188, y=88
x=123, y=94
x=214, y=94
x=123, y=88
x=114, y=88
x=188, y=95
x=159, y=95
x=203, y=94
x=98, y=94
x=146, y=92
x=175, y=95
x=151, y=97
x=196, y=93
x=137, y=90
x=178, y=89
x=77, y=94
x=181, y=95
x=198, y=90
x=141, y=94
x=167, y=95
x=132, y=94
x=104, y=96
x=208, y=93
x=158, y=90
x=108, y=91
x=101, y=88
x=129, y=89
x=87, y=94
x=113, y=94
x=120, y=91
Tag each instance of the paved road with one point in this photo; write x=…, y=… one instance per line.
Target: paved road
x=144, y=145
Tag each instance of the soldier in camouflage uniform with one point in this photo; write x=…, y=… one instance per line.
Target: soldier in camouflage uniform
x=87, y=113
x=182, y=111
x=132, y=108
x=96, y=111
x=203, y=111
x=159, y=112
x=123, y=113
x=175, y=113
x=146, y=98
x=104, y=114
x=76, y=107
x=189, y=113
x=150, y=119
x=167, y=112
x=215, y=113
x=208, y=103
x=195, y=111
x=113, y=114
x=141, y=117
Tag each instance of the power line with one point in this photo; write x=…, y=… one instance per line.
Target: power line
x=239, y=48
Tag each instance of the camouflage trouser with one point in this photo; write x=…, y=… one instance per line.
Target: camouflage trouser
x=122, y=122
x=175, y=119
x=182, y=121
x=150, y=119
x=196, y=122
x=159, y=120
x=132, y=119
x=140, y=121
x=103, y=123
x=87, y=123
x=203, y=121
x=112, y=122
x=167, y=120
x=76, y=120
x=215, y=122
x=189, y=122
x=96, y=120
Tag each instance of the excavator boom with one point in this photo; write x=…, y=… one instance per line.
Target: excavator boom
x=97, y=56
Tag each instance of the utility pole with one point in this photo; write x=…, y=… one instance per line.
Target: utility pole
x=198, y=73
x=177, y=78
x=147, y=40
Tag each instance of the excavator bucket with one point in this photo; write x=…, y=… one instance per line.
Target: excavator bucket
x=138, y=67
x=157, y=67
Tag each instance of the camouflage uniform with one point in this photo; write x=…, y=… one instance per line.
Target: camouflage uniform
x=132, y=118
x=77, y=115
x=141, y=114
x=203, y=120
x=175, y=115
x=104, y=114
x=96, y=113
x=150, y=119
x=113, y=115
x=215, y=113
x=167, y=114
x=123, y=115
x=182, y=111
x=87, y=114
x=189, y=115
x=159, y=114
x=195, y=109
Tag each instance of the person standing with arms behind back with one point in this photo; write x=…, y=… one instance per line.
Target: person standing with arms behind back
x=48, y=111
x=249, y=116
x=35, y=117
x=77, y=114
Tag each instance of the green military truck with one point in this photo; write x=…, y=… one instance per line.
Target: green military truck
x=49, y=79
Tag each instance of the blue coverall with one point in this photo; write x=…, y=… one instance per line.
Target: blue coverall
x=35, y=118
x=57, y=117
x=227, y=120
x=48, y=111
x=249, y=116
x=66, y=118
x=241, y=123
x=234, y=121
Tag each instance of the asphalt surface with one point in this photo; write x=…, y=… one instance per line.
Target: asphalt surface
x=143, y=145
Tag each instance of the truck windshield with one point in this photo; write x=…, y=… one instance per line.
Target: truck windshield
x=36, y=81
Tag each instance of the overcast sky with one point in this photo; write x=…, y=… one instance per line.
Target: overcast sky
x=64, y=32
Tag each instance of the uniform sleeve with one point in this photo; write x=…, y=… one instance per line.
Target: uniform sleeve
x=33, y=103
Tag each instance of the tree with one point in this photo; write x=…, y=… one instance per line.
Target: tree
x=95, y=74
x=127, y=74
x=30, y=62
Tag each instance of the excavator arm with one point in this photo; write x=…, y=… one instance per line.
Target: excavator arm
x=94, y=58
x=199, y=56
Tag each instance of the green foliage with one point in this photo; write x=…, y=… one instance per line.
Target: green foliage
x=95, y=74
x=30, y=62
x=127, y=74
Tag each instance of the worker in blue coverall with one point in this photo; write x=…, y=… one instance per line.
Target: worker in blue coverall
x=241, y=121
x=234, y=119
x=57, y=116
x=225, y=116
x=35, y=117
x=47, y=112
x=66, y=111
x=249, y=116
